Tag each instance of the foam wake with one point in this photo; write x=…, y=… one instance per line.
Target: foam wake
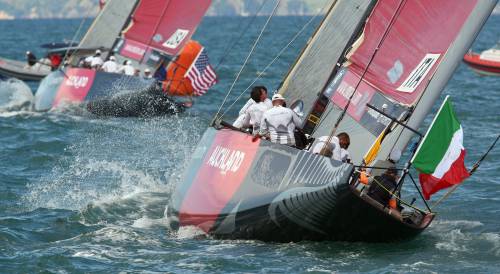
x=15, y=95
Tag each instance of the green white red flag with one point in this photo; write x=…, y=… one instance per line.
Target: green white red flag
x=440, y=156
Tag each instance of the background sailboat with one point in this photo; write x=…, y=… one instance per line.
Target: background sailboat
x=151, y=34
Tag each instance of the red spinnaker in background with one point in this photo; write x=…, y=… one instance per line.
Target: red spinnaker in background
x=165, y=25
x=420, y=34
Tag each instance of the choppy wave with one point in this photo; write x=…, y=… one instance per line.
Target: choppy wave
x=15, y=95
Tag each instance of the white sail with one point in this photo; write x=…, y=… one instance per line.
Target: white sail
x=107, y=26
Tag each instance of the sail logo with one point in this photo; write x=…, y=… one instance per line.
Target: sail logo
x=419, y=73
x=176, y=39
x=226, y=159
x=77, y=81
x=134, y=49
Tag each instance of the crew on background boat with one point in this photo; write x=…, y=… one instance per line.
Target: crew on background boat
x=336, y=149
x=127, y=68
x=148, y=74
x=55, y=60
x=240, y=121
x=110, y=65
x=31, y=58
x=279, y=123
x=96, y=62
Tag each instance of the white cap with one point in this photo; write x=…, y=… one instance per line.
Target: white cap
x=28, y=52
x=112, y=58
x=395, y=155
x=129, y=62
x=147, y=70
x=98, y=51
x=278, y=96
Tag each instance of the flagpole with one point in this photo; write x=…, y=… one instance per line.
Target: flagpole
x=474, y=168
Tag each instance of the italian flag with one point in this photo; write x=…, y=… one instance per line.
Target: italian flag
x=440, y=156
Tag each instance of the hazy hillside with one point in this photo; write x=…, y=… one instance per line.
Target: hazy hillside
x=10, y=9
x=87, y=8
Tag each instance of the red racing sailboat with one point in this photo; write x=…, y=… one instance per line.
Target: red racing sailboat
x=151, y=34
x=377, y=80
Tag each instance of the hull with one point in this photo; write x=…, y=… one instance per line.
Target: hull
x=105, y=94
x=239, y=189
x=20, y=70
x=482, y=66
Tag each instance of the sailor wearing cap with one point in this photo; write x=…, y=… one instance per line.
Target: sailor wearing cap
x=96, y=62
x=31, y=58
x=127, y=68
x=279, y=122
x=110, y=66
x=148, y=74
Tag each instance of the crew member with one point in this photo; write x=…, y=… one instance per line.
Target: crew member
x=96, y=62
x=279, y=122
x=127, y=68
x=110, y=66
x=31, y=58
x=336, y=149
x=254, y=113
x=240, y=121
x=55, y=61
x=148, y=74
x=382, y=186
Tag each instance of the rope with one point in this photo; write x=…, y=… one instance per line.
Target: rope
x=74, y=39
x=278, y=56
x=248, y=57
x=394, y=194
x=235, y=42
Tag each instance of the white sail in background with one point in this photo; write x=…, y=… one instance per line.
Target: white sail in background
x=108, y=25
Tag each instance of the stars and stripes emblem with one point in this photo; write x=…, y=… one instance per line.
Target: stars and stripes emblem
x=201, y=74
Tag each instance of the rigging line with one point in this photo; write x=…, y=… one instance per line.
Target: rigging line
x=248, y=58
x=272, y=62
x=235, y=42
x=74, y=38
x=342, y=115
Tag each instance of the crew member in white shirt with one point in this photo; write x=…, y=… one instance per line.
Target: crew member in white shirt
x=337, y=149
x=127, y=68
x=255, y=112
x=279, y=122
x=242, y=120
x=96, y=62
x=110, y=66
x=148, y=74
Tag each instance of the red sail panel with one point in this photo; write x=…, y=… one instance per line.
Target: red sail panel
x=417, y=35
x=164, y=25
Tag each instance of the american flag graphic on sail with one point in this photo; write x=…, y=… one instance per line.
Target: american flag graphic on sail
x=201, y=74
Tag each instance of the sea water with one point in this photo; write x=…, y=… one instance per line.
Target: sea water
x=80, y=194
